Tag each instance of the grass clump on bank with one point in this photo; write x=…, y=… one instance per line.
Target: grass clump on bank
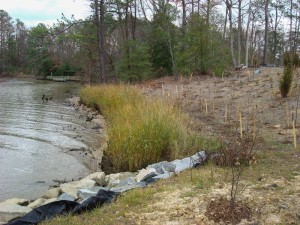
x=141, y=130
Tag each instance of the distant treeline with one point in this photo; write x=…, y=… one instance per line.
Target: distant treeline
x=135, y=39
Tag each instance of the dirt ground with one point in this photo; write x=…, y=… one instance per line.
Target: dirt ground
x=271, y=187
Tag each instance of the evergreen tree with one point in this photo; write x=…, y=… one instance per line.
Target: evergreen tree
x=136, y=65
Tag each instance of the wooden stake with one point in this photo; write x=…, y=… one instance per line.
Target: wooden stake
x=294, y=133
x=237, y=112
x=191, y=77
x=163, y=91
x=241, y=125
x=213, y=107
x=225, y=114
x=206, y=108
x=287, y=114
x=254, y=127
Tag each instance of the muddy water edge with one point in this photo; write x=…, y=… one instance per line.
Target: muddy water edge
x=44, y=140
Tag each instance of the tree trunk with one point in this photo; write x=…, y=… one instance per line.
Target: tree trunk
x=126, y=22
x=275, y=34
x=192, y=7
x=127, y=34
x=253, y=61
x=291, y=26
x=133, y=21
x=297, y=34
x=266, y=31
x=225, y=23
x=229, y=6
x=100, y=13
x=183, y=16
x=208, y=13
x=247, y=35
x=239, y=32
x=143, y=10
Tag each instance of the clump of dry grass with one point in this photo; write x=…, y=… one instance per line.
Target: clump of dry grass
x=141, y=130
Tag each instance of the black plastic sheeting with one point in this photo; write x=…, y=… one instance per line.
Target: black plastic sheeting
x=63, y=207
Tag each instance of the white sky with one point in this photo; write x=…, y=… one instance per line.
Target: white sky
x=32, y=12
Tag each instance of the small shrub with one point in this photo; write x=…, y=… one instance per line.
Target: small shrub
x=285, y=82
x=236, y=152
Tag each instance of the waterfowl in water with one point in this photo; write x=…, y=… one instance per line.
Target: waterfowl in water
x=45, y=99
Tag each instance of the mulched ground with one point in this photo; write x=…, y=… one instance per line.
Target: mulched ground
x=221, y=210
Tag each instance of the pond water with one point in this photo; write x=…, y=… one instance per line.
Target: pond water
x=36, y=135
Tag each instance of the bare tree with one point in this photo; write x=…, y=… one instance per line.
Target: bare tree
x=183, y=15
x=266, y=31
x=229, y=8
x=99, y=16
x=247, y=34
x=275, y=18
x=291, y=25
x=239, y=32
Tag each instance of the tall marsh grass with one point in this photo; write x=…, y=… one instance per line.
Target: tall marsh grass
x=141, y=130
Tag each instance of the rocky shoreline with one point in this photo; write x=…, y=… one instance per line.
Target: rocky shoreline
x=88, y=187
x=93, y=120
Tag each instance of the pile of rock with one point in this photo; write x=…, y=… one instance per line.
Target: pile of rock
x=81, y=190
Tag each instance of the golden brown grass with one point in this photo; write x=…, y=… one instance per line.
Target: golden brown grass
x=141, y=130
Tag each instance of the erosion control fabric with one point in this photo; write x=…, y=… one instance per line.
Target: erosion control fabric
x=62, y=207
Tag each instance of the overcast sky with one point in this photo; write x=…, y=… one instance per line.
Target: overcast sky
x=32, y=12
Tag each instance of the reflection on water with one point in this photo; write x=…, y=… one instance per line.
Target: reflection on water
x=34, y=136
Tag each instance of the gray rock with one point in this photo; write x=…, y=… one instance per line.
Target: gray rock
x=52, y=193
x=74, y=101
x=112, y=177
x=115, y=178
x=71, y=188
x=144, y=174
x=37, y=203
x=65, y=196
x=19, y=201
x=99, y=177
x=10, y=211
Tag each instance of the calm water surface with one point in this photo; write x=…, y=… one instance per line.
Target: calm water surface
x=35, y=136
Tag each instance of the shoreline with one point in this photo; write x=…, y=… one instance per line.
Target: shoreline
x=64, y=189
x=92, y=159
x=89, y=186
